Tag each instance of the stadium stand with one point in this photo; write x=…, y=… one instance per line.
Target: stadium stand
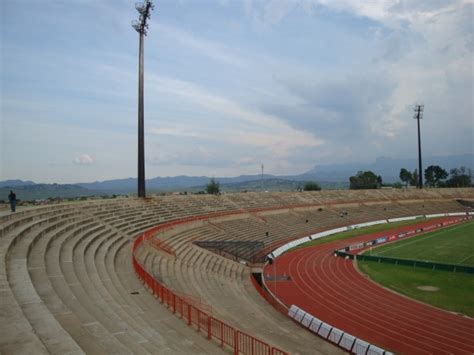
x=68, y=286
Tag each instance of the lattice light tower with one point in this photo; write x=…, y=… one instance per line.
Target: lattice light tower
x=141, y=26
x=418, y=116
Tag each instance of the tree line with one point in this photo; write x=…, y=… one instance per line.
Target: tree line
x=434, y=176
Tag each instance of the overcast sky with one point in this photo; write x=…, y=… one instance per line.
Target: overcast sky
x=230, y=85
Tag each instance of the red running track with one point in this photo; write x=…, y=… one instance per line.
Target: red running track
x=331, y=289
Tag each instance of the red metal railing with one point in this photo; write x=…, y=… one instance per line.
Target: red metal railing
x=224, y=334
x=194, y=301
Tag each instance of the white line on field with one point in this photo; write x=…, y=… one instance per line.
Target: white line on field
x=467, y=257
x=395, y=246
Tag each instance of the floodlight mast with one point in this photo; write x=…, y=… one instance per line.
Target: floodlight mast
x=418, y=116
x=141, y=26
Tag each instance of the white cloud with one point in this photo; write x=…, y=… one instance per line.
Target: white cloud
x=239, y=124
x=202, y=46
x=83, y=159
x=410, y=50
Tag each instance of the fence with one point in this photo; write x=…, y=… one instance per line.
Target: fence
x=347, y=252
x=408, y=262
x=224, y=334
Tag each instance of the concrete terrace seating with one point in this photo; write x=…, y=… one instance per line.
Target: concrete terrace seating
x=59, y=297
x=67, y=284
x=225, y=286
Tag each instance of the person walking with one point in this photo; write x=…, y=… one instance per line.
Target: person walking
x=12, y=199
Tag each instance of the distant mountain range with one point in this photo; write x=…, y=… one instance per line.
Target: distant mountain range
x=328, y=176
x=14, y=183
x=388, y=168
x=34, y=191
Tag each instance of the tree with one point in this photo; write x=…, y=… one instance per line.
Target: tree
x=406, y=176
x=312, y=186
x=379, y=181
x=414, y=178
x=364, y=180
x=460, y=177
x=434, y=174
x=213, y=187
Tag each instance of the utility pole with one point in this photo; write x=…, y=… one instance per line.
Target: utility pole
x=418, y=116
x=262, y=177
x=141, y=27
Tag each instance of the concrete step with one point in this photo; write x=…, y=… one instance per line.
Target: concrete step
x=49, y=330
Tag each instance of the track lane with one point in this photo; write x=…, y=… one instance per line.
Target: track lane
x=331, y=289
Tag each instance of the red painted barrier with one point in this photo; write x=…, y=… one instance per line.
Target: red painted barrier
x=240, y=342
x=269, y=298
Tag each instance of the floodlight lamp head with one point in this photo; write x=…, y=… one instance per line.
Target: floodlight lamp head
x=144, y=9
x=150, y=6
x=418, y=109
x=140, y=8
x=136, y=25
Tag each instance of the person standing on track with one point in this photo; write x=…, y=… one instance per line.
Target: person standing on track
x=12, y=199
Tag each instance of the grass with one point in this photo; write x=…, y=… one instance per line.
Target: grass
x=454, y=245
x=357, y=232
x=455, y=289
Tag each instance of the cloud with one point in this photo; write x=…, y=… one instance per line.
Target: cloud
x=342, y=109
x=265, y=14
x=237, y=123
x=203, y=47
x=221, y=94
x=83, y=159
x=196, y=155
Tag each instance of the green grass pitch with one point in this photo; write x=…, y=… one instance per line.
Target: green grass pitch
x=454, y=292
x=453, y=245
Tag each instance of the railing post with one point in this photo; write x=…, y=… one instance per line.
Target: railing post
x=222, y=334
x=199, y=320
x=209, y=328
x=236, y=342
x=189, y=315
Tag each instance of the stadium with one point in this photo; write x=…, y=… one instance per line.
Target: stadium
x=283, y=210
x=183, y=274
